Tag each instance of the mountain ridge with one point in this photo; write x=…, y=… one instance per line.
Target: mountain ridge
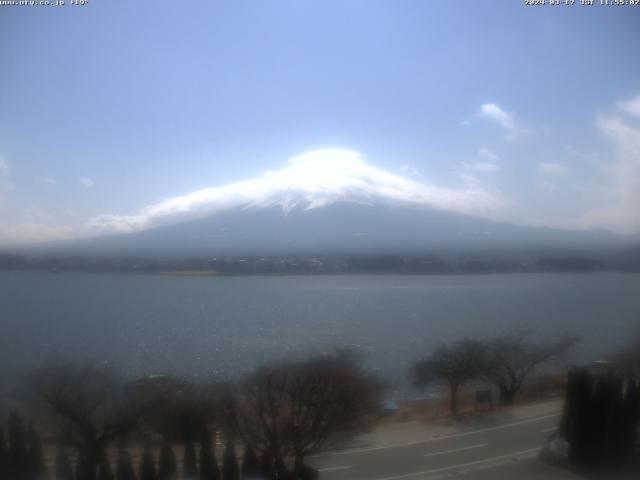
x=342, y=227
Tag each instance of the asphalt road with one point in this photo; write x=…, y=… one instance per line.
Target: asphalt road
x=464, y=452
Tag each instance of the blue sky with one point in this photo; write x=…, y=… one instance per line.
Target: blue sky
x=108, y=110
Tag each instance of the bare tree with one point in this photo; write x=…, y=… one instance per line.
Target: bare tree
x=512, y=358
x=290, y=410
x=88, y=405
x=454, y=364
x=182, y=410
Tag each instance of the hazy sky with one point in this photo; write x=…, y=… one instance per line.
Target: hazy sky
x=529, y=114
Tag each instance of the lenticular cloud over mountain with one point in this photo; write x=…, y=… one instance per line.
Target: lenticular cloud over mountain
x=311, y=180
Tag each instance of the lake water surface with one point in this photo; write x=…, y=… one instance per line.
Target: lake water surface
x=225, y=325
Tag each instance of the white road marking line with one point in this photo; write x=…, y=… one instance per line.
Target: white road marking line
x=462, y=465
x=492, y=465
x=548, y=430
x=333, y=469
x=453, y=450
x=444, y=437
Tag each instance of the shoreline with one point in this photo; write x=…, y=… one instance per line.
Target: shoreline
x=181, y=273
x=216, y=273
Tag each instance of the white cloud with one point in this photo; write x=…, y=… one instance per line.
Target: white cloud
x=486, y=153
x=573, y=151
x=486, y=167
x=35, y=225
x=468, y=179
x=496, y=114
x=35, y=231
x=489, y=166
x=547, y=186
x=631, y=107
x=4, y=167
x=410, y=170
x=623, y=171
x=552, y=168
x=49, y=180
x=87, y=182
x=308, y=181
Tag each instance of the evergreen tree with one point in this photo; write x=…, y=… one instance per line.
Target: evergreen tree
x=208, y=464
x=308, y=473
x=230, y=469
x=35, y=462
x=83, y=471
x=147, y=465
x=616, y=422
x=576, y=422
x=281, y=471
x=189, y=463
x=266, y=465
x=631, y=409
x=250, y=463
x=168, y=469
x=62, y=469
x=4, y=455
x=104, y=467
x=18, y=455
x=124, y=467
x=598, y=420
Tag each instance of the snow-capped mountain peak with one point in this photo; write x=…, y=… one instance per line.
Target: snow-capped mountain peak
x=312, y=180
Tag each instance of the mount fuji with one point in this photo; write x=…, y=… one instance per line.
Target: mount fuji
x=323, y=202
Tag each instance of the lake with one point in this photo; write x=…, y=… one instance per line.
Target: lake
x=226, y=325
